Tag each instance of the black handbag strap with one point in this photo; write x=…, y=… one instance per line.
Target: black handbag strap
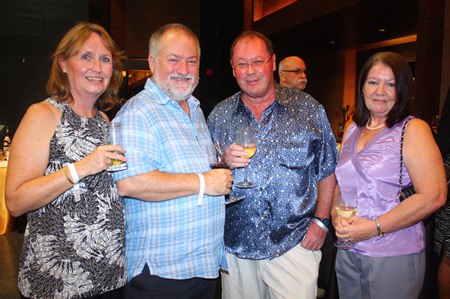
x=401, y=154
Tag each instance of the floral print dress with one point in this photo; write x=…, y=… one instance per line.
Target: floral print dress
x=74, y=248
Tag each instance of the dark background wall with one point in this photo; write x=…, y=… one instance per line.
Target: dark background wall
x=29, y=32
x=221, y=22
x=31, y=29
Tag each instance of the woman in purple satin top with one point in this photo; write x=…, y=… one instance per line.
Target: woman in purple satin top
x=388, y=257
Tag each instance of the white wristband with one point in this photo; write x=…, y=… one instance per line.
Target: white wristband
x=202, y=189
x=319, y=223
x=73, y=173
x=76, y=180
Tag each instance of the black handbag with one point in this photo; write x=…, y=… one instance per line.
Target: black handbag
x=409, y=190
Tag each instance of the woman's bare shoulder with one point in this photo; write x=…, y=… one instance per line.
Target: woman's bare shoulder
x=418, y=126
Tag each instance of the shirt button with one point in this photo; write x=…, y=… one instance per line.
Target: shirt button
x=264, y=214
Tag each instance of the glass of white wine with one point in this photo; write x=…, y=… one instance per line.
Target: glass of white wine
x=346, y=206
x=216, y=161
x=246, y=137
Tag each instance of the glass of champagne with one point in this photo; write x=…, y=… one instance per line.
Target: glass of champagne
x=346, y=206
x=246, y=137
x=215, y=159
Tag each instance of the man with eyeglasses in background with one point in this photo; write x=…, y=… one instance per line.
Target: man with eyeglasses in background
x=274, y=235
x=293, y=73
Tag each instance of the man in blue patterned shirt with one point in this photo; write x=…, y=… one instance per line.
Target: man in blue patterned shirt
x=273, y=237
x=174, y=203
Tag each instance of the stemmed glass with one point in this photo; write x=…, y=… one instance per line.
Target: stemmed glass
x=215, y=159
x=246, y=137
x=346, y=206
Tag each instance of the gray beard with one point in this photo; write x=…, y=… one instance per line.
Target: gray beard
x=173, y=94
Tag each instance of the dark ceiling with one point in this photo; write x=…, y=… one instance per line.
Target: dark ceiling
x=354, y=25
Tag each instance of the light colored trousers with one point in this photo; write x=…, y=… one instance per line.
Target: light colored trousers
x=292, y=275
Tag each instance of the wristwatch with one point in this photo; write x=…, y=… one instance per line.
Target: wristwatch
x=325, y=221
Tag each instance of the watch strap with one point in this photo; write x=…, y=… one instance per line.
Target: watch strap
x=323, y=223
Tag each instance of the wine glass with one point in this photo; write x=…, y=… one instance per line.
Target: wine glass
x=215, y=159
x=246, y=137
x=346, y=206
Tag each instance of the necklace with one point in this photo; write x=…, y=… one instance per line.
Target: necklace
x=374, y=128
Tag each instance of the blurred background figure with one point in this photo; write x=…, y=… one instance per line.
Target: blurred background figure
x=75, y=235
x=292, y=71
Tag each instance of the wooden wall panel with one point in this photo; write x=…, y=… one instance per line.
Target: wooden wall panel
x=429, y=58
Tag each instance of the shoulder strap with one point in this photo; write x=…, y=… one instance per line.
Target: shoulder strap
x=60, y=106
x=401, y=153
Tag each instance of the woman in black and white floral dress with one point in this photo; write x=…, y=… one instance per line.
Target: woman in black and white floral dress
x=74, y=240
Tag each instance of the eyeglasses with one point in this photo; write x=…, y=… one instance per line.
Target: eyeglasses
x=297, y=71
x=255, y=64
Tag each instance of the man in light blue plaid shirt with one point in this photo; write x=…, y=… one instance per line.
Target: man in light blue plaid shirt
x=174, y=202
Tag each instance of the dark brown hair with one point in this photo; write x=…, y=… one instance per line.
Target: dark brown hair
x=58, y=85
x=403, y=88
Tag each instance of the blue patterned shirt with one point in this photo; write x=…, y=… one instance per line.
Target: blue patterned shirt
x=176, y=238
x=295, y=149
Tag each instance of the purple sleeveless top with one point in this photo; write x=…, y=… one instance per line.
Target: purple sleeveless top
x=374, y=173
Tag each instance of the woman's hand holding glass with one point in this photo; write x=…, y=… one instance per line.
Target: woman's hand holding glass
x=345, y=206
x=100, y=159
x=114, y=137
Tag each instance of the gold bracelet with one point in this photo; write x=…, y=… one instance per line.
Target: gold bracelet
x=379, y=230
x=67, y=175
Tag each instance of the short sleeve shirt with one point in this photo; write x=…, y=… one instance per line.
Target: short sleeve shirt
x=177, y=238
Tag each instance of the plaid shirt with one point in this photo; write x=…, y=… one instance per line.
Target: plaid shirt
x=176, y=238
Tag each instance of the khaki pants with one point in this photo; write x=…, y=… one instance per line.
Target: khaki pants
x=292, y=275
